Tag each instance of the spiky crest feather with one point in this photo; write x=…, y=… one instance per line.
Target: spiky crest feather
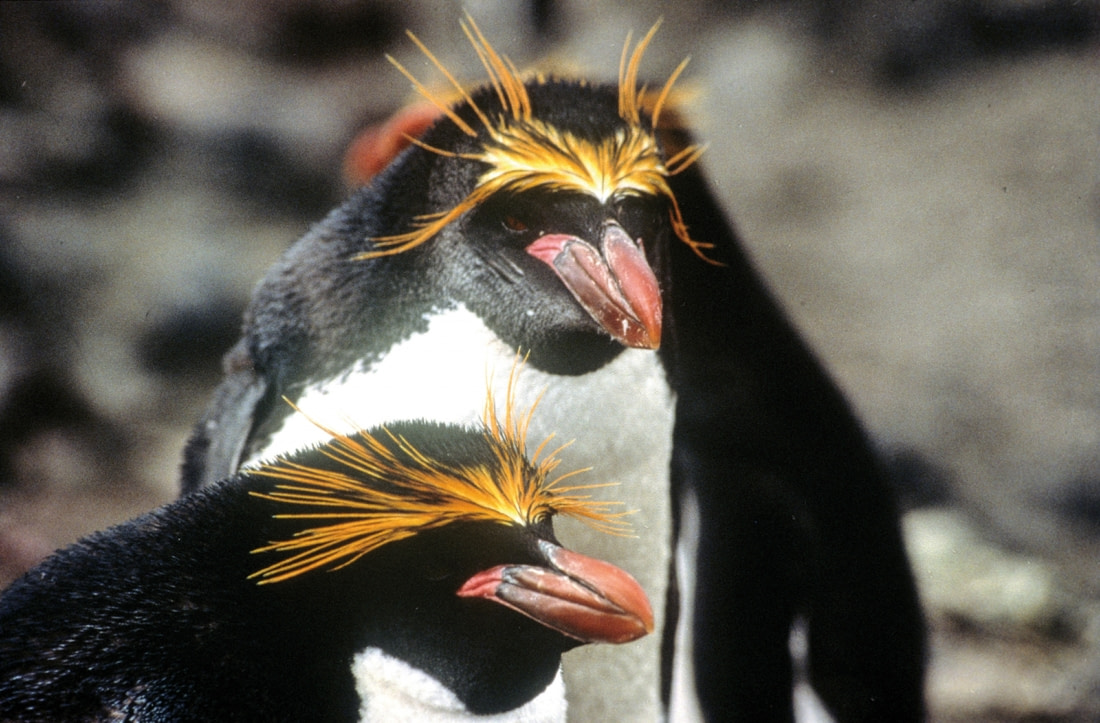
x=379, y=495
x=523, y=153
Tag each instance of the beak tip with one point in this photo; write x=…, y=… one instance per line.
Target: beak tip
x=652, y=340
x=640, y=335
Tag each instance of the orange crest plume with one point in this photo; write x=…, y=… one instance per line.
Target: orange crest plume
x=419, y=493
x=523, y=153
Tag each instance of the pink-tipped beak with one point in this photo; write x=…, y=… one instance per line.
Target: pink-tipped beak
x=617, y=288
x=581, y=597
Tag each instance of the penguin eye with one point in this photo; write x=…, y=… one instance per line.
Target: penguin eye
x=514, y=224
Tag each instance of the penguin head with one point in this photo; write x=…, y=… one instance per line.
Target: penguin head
x=547, y=203
x=436, y=544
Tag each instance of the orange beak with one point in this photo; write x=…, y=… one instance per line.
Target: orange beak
x=581, y=597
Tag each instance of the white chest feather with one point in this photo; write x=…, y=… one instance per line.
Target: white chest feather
x=620, y=420
x=392, y=691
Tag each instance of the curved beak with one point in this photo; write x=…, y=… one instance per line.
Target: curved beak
x=586, y=599
x=614, y=284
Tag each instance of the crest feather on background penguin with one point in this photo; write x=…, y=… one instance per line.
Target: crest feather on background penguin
x=523, y=153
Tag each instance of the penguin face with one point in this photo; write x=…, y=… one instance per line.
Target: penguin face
x=583, y=265
x=443, y=515
x=487, y=610
x=548, y=205
x=517, y=578
x=443, y=556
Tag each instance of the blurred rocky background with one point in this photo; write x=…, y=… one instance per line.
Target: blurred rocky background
x=919, y=181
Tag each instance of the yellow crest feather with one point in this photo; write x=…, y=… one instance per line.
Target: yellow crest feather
x=419, y=493
x=522, y=153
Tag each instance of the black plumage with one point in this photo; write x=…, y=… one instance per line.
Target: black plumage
x=796, y=518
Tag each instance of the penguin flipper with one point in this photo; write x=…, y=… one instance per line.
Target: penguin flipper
x=795, y=509
x=214, y=450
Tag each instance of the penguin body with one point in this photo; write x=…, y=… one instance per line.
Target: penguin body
x=464, y=613
x=659, y=349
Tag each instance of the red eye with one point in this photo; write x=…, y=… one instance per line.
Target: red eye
x=514, y=224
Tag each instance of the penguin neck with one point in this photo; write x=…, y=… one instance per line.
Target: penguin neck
x=494, y=664
x=392, y=690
